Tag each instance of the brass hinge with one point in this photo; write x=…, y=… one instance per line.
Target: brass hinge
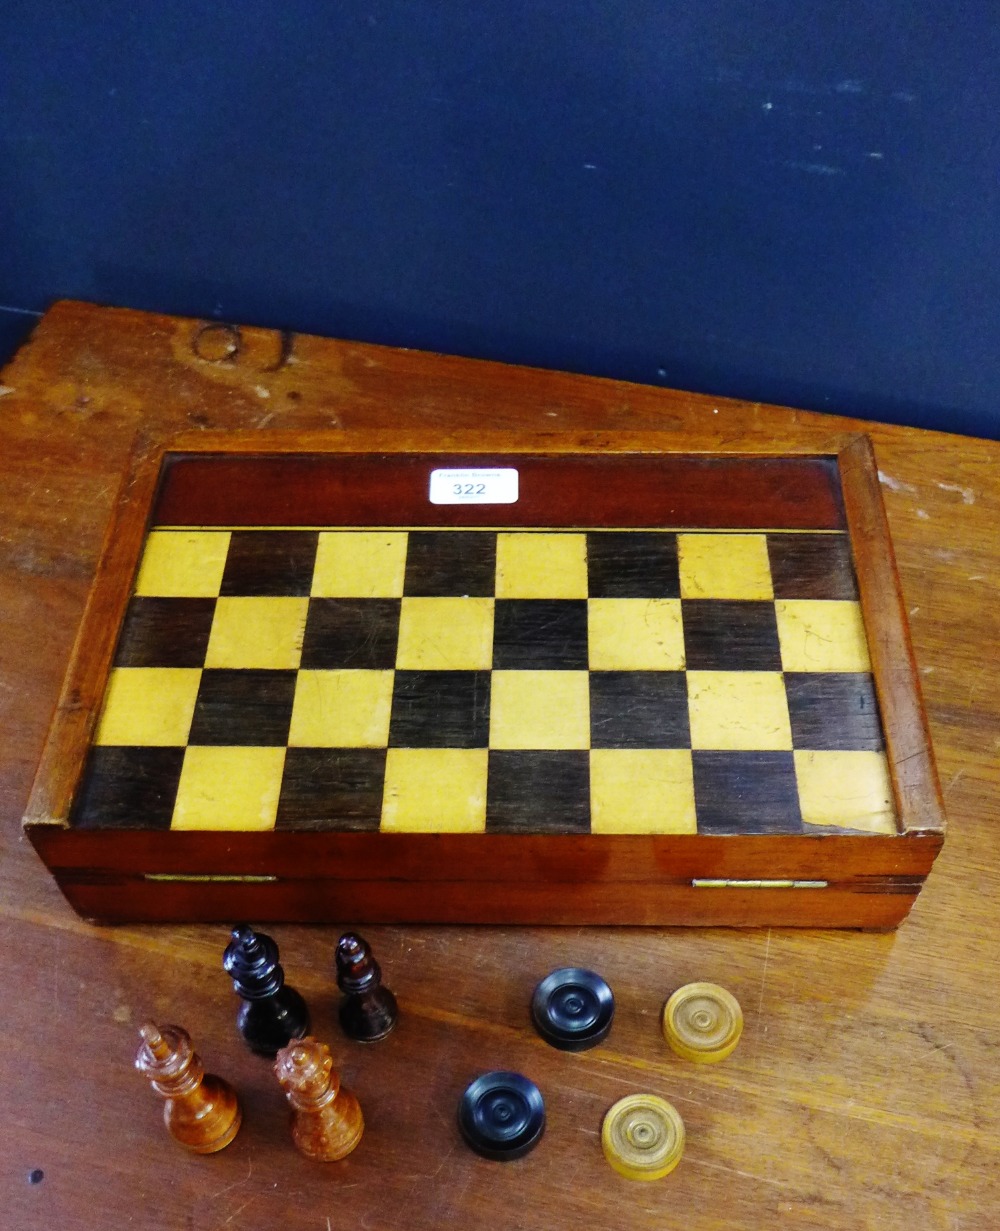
x=758, y=884
x=171, y=876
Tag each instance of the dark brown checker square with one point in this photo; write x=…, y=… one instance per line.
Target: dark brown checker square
x=243, y=707
x=275, y=562
x=440, y=709
x=811, y=566
x=128, y=788
x=633, y=564
x=540, y=634
x=538, y=792
x=446, y=563
x=639, y=709
x=834, y=712
x=361, y=633
x=746, y=792
x=332, y=788
x=165, y=632
x=730, y=635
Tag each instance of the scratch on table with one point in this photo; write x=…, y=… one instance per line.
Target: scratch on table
x=414, y=1182
x=441, y=1166
x=967, y=494
x=976, y=684
x=747, y=1175
x=245, y=1180
x=239, y=1210
x=894, y=485
x=760, y=999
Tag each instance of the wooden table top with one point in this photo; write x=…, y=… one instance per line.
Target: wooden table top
x=866, y=1089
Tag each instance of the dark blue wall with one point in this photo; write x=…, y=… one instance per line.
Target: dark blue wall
x=793, y=202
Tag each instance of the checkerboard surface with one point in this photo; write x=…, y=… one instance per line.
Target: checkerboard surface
x=529, y=681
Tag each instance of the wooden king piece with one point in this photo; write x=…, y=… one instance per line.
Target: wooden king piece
x=202, y=1111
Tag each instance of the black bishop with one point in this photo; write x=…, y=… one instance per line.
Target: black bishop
x=368, y=1011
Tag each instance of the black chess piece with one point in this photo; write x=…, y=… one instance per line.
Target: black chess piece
x=271, y=1014
x=368, y=1011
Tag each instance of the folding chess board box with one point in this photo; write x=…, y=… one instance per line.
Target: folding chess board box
x=568, y=681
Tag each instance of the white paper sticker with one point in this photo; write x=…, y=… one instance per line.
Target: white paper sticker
x=473, y=487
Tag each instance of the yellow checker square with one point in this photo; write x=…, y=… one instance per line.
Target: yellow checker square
x=734, y=566
x=182, y=563
x=360, y=564
x=642, y=791
x=635, y=634
x=445, y=634
x=149, y=706
x=738, y=711
x=847, y=790
x=821, y=635
x=234, y=788
x=257, y=633
x=435, y=790
x=540, y=710
x=541, y=565
x=341, y=709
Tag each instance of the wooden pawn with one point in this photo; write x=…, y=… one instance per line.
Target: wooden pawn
x=327, y=1123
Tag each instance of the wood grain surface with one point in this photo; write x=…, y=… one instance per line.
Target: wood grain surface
x=865, y=1092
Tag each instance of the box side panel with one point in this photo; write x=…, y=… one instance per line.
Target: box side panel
x=135, y=900
x=869, y=882
x=440, y=858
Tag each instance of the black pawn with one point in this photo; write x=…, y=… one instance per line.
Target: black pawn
x=368, y=1011
x=271, y=1014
